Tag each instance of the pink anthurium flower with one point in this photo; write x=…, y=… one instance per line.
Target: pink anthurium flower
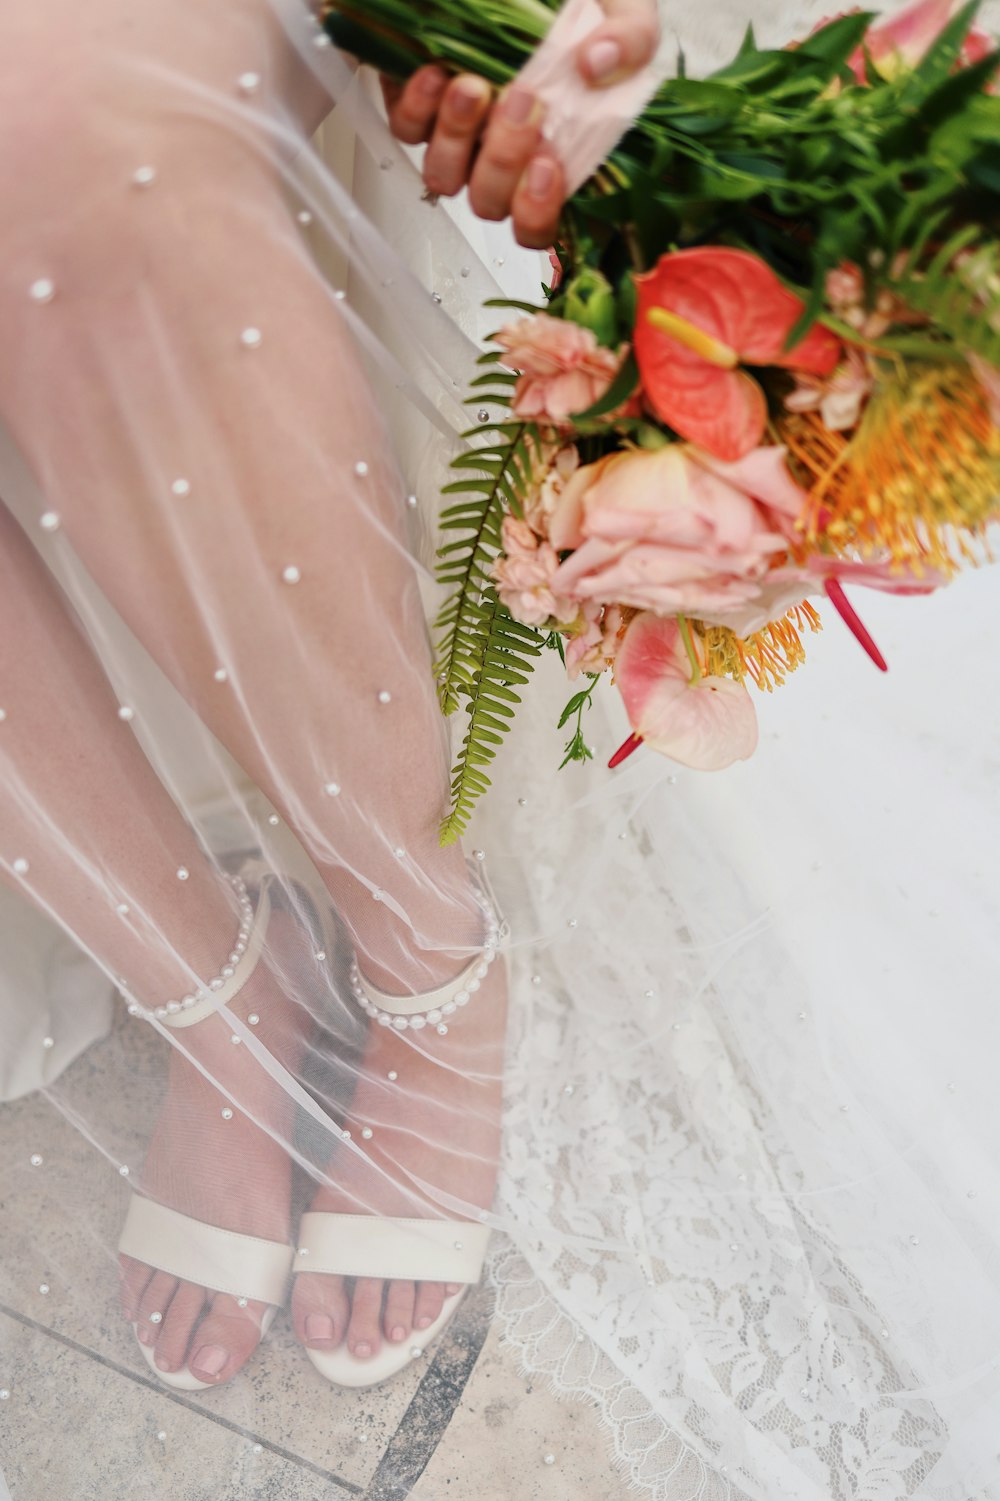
x=701, y=721
x=701, y=315
x=902, y=40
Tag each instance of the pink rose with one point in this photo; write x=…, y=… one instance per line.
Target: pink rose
x=563, y=368
x=524, y=577
x=676, y=530
x=707, y=723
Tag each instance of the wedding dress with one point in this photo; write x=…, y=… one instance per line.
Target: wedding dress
x=748, y=1200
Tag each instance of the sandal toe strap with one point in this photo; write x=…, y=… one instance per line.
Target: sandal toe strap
x=222, y=1260
x=361, y=1245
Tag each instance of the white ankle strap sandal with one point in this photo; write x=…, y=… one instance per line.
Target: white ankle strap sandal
x=220, y=1260
x=418, y=1250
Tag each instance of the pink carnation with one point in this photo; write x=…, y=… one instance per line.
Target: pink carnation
x=563, y=369
x=524, y=577
x=595, y=646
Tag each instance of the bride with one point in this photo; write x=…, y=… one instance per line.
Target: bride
x=745, y=1198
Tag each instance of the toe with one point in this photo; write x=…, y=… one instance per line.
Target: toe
x=321, y=1310
x=363, y=1331
x=153, y=1306
x=135, y=1275
x=428, y=1304
x=398, y=1319
x=225, y=1339
x=178, y=1322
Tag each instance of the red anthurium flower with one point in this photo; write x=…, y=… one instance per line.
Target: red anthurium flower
x=701, y=315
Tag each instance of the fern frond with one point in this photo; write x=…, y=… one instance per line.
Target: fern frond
x=494, y=651
x=962, y=304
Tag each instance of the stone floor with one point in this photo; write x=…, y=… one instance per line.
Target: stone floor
x=83, y=1419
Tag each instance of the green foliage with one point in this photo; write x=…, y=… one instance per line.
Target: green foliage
x=483, y=654
x=963, y=305
x=503, y=652
x=576, y=748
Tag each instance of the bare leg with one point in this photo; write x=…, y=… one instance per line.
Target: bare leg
x=196, y=412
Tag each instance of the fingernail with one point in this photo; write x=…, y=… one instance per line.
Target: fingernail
x=516, y=106
x=539, y=178
x=465, y=103
x=423, y=1322
x=363, y=1348
x=209, y=1360
x=319, y=1326
x=398, y=1333
x=603, y=59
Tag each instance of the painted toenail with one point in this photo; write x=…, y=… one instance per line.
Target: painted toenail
x=319, y=1326
x=162, y=1363
x=209, y=1360
x=398, y=1332
x=362, y=1348
x=424, y=1322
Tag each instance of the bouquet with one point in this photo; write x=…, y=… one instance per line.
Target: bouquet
x=767, y=369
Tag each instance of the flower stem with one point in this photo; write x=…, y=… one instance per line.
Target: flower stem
x=685, y=629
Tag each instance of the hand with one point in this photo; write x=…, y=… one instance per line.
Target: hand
x=495, y=144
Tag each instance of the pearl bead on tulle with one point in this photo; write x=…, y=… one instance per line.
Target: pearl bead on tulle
x=21, y=866
x=42, y=290
x=50, y=521
x=248, y=83
x=332, y=789
x=384, y=697
x=180, y=487
x=291, y=574
x=304, y=216
x=126, y=713
x=251, y=338
x=143, y=177
x=361, y=469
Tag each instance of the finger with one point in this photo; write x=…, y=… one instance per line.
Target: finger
x=538, y=201
x=621, y=46
x=463, y=109
x=511, y=139
x=412, y=114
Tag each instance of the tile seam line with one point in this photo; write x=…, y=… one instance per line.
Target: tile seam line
x=151, y=1384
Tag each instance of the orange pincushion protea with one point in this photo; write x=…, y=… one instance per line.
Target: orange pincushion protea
x=919, y=479
x=767, y=656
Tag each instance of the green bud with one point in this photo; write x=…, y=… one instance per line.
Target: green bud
x=590, y=301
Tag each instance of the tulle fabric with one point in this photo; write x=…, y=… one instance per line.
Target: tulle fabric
x=748, y=1198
